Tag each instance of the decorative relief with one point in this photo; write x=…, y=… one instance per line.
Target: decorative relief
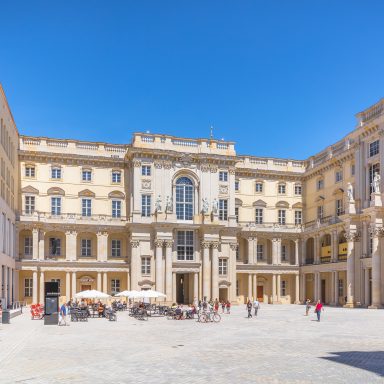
x=352, y=236
x=233, y=246
x=135, y=243
x=158, y=243
x=145, y=184
x=375, y=231
x=167, y=164
x=213, y=168
x=158, y=164
x=232, y=171
x=215, y=244
x=136, y=163
x=204, y=167
x=223, y=189
x=168, y=243
x=205, y=244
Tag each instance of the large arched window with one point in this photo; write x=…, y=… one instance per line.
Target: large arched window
x=184, y=198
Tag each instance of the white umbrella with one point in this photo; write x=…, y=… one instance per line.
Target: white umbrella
x=91, y=294
x=150, y=294
x=129, y=294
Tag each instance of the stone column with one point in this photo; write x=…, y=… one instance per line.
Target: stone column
x=99, y=286
x=41, y=293
x=250, y=286
x=74, y=289
x=102, y=246
x=105, y=282
x=351, y=237
x=255, y=250
x=41, y=245
x=67, y=286
x=278, y=246
x=135, y=264
x=297, y=252
x=232, y=265
x=174, y=293
x=303, y=287
x=336, y=292
x=254, y=288
x=297, y=289
x=71, y=248
x=168, y=269
x=159, y=265
x=366, y=287
x=10, y=285
x=196, y=285
x=376, y=268
x=128, y=281
x=35, y=243
x=206, y=278
x=274, y=251
x=335, y=246
x=250, y=250
x=215, y=270
x=34, y=287
x=273, y=288
x=315, y=290
x=316, y=255
x=278, y=288
x=332, y=288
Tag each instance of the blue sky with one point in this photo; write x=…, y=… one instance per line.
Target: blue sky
x=281, y=78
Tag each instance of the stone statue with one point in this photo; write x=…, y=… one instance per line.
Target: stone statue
x=376, y=183
x=350, y=192
x=205, y=205
x=169, y=204
x=215, y=206
x=158, y=204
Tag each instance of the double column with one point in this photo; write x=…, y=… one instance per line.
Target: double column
x=252, y=250
x=205, y=245
x=276, y=251
x=168, y=269
x=351, y=238
x=159, y=275
x=135, y=264
x=215, y=270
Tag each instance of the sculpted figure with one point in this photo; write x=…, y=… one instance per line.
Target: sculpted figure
x=205, y=205
x=376, y=183
x=215, y=206
x=350, y=192
x=158, y=204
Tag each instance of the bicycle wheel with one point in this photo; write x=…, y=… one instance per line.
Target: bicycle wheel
x=216, y=318
x=204, y=318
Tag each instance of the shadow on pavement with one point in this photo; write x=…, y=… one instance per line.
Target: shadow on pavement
x=370, y=361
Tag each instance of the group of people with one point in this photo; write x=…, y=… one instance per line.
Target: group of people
x=318, y=308
x=255, y=305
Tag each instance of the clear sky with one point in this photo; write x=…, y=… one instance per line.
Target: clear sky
x=282, y=78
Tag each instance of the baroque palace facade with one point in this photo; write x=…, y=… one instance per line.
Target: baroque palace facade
x=191, y=218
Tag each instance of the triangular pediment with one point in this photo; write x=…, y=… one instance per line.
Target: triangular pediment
x=30, y=189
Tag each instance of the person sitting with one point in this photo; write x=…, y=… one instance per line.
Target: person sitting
x=100, y=309
x=179, y=313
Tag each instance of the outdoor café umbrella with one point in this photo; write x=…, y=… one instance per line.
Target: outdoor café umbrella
x=129, y=294
x=91, y=294
x=149, y=294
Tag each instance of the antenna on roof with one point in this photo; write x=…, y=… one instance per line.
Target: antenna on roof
x=211, y=135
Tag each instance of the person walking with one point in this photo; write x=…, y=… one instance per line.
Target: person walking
x=249, y=308
x=228, y=305
x=307, y=307
x=318, y=309
x=223, y=306
x=63, y=314
x=216, y=305
x=256, y=306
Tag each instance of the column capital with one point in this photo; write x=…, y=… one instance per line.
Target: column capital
x=135, y=243
x=375, y=231
x=215, y=245
x=233, y=246
x=158, y=243
x=205, y=244
x=102, y=233
x=168, y=243
x=352, y=236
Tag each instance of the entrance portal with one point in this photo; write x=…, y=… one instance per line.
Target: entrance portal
x=85, y=287
x=223, y=294
x=260, y=293
x=184, y=288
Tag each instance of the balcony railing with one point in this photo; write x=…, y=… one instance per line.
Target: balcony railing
x=321, y=222
x=325, y=259
x=342, y=257
x=270, y=225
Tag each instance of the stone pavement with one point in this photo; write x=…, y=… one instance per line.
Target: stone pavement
x=279, y=346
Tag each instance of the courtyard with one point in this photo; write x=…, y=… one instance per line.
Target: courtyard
x=281, y=345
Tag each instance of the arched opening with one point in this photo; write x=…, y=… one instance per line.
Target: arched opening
x=325, y=241
x=309, y=251
x=342, y=251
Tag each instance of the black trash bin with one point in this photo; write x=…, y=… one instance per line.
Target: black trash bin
x=6, y=316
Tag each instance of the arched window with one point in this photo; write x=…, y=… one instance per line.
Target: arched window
x=184, y=198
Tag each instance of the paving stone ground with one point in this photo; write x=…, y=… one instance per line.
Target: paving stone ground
x=281, y=345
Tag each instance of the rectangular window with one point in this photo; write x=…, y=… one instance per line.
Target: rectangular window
x=237, y=252
x=86, y=207
x=260, y=251
x=298, y=218
x=28, y=246
x=353, y=169
x=29, y=171
x=54, y=246
x=281, y=189
x=281, y=217
x=237, y=184
x=116, y=177
x=56, y=206
x=86, y=249
x=339, y=207
x=56, y=173
x=320, y=184
x=28, y=287
x=320, y=212
x=223, y=209
x=341, y=288
x=87, y=175
x=146, y=170
x=237, y=288
x=259, y=187
x=223, y=266
x=370, y=246
x=116, y=208
x=146, y=205
x=284, y=253
x=115, y=286
x=283, y=288
x=185, y=245
x=145, y=265
x=374, y=148
x=338, y=176
x=116, y=248
x=259, y=215
x=223, y=176
x=237, y=214
x=29, y=205
x=297, y=189
x=58, y=283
